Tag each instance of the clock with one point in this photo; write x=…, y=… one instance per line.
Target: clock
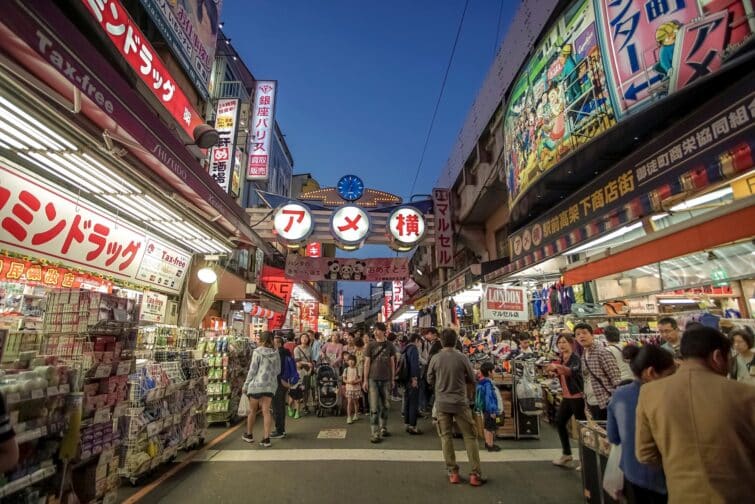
x=350, y=187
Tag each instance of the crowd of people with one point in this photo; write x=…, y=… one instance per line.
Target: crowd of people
x=683, y=413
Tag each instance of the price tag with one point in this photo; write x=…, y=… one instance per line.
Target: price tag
x=124, y=367
x=52, y=391
x=37, y=393
x=64, y=389
x=13, y=398
x=102, y=415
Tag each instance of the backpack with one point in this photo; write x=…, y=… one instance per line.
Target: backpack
x=402, y=370
x=289, y=373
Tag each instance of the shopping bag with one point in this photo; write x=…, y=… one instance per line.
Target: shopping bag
x=613, y=477
x=243, y=405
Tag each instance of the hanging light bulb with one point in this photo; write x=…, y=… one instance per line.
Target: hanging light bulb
x=207, y=275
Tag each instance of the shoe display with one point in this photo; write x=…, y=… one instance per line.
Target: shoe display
x=265, y=443
x=454, y=478
x=277, y=435
x=249, y=438
x=476, y=480
x=563, y=461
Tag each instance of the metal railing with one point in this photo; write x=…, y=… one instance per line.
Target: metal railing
x=231, y=89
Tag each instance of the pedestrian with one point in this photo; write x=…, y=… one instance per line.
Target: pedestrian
x=411, y=387
x=281, y=393
x=332, y=351
x=316, y=343
x=486, y=402
x=290, y=343
x=671, y=335
x=699, y=425
x=432, y=341
x=378, y=380
x=643, y=484
x=359, y=353
x=743, y=364
x=600, y=373
x=352, y=381
x=260, y=385
x=305, y=366
x=8, y=443
x=569, y=372
x=452, y=376
x=613, y=337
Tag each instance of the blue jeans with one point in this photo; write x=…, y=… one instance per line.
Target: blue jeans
x=380, y=402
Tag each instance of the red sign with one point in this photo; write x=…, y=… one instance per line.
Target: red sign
x=387, y=306
x=444, y=245
x=699, y=49
x=310, y=311
x=313, y=250
x=315, y=269
x=32, y=273
x=141, y=56
x=275, y=281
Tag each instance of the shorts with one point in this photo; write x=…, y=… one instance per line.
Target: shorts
x=261, y=395
x=297, y=394
x=489, y=423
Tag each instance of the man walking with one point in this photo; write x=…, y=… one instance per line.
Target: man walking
x=378, y=380
x=600, y=372
x=700, y=426
x=281, y=393
x=411, y=392
x=453, y=378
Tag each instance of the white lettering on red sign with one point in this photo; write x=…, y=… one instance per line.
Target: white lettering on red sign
x=262, y=130
x=444, y=246
x=398, y=295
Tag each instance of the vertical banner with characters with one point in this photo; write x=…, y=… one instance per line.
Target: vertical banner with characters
x=222, y=155
x=274, y=280
x=558, y=102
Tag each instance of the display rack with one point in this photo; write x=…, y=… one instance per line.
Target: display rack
x=228, y=359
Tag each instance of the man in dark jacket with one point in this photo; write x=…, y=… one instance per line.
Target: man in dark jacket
x=279, y=399
x=432, y=339
x=411, y=398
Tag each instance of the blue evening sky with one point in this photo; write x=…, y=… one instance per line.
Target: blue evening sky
x=358, y=81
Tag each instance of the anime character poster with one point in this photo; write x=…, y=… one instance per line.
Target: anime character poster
x=654, y=47
x=558, y=102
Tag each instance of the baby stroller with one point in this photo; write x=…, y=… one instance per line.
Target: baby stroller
x=326, y=388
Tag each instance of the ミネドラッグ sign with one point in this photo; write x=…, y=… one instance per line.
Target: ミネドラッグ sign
x=504, y=303
x=314, y=269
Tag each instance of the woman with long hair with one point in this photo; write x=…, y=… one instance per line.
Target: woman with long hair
x=260, y=385
x=569, y=372
x=643, y=484
x=305, y=366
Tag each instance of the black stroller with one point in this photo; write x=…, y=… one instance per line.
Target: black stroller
x=327, y=390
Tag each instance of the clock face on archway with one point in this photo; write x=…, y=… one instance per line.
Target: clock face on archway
x=350, y=187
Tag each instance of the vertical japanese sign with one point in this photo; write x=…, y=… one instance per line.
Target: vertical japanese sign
x=504, y=303
x=444, y=245
x=141, y=56
x=309, y=315
x=222, y=155
x=398, y=295
x=274, y=280
x=699, y=49
x=387, y=305
x=191, y=31
x=262, y=131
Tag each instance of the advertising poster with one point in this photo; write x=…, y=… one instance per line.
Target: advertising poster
x=558, y=102
x=153, y=307
x=504, y=303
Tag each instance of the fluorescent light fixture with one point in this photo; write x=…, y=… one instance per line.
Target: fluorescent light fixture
x=677, y=301
x=207, y=275
x=31, y=120
x=659, y=216
x=603, y=239
x=18, y=135
x=701, y=200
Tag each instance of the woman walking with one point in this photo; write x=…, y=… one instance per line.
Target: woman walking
x=303, y=358
x=569, y=372
x=643, y=484
x=260, y=385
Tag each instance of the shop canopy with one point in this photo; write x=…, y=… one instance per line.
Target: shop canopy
x=729, y=224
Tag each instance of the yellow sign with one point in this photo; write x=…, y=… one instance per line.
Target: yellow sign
x=744, y=187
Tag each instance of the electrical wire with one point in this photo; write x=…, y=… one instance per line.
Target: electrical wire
x=440, y=96
x=498, y=29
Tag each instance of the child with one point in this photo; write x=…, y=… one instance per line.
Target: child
x=353, y=388
x=295, y=396
x=486, y=402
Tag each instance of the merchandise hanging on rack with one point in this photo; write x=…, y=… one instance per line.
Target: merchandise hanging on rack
x=228, y=359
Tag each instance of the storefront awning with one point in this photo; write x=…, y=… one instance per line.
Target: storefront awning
x=729, y=224
x=232, y=287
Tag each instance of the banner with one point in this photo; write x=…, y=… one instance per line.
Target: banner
x=191, y=31
x=398, y=295
x=262, y=129
x=275, y=281
x=153, y=307
x=315, y=269
x=387, y=306
x=223, y=154
x=310, y=311
x=504, y=303
x=40, y=221
x=444, y=233
x=33, y=273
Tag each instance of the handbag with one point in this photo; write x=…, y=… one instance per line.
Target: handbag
x=243, y=406
x=613, y=477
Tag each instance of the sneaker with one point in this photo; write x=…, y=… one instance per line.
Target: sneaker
x=454, y=478
x=349, y=420
x=375, y=439
x=265, y=443
x=578, y=467
x=290, y=411
x=476, y=480
x=277, y=435
x=384, y=432
x=563, y=461
x=249, y=438
x=413, y=431
x=297, y=415
x=493, y=448
x=355, y=418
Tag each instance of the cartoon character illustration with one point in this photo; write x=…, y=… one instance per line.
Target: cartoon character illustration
x=665, y=35
x=347, y=272
x=360, y=270
x=334, y=269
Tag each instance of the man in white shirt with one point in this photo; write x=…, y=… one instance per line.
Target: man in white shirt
x=614, y=346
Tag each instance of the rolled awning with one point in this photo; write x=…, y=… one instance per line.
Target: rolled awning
x=729, y=224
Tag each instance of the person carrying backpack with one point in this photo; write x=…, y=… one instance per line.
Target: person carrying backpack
x=487, y=402
x=408, y=375
x=287, y=376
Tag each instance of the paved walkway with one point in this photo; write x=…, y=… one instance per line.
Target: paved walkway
x=324, y=460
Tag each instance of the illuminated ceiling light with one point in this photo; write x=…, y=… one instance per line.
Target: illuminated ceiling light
x=207, y=275
x=30, y=119
x=17, y=134
x=81, y=174
x=59, y=171
x=107, y=171
x=701, y=200
x=610, y=236
x=97, y=177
